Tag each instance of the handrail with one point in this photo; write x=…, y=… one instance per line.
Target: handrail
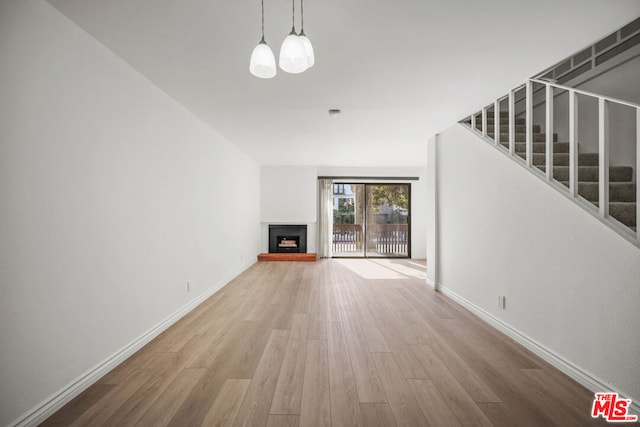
x=604, y=103
x=622, y=42
x=567, y=88
x=587, y=93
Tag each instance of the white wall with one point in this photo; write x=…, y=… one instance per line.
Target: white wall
x=572, y=284
x=431, y=217
x=112, y=197
x=418, y=197
x=289, y=195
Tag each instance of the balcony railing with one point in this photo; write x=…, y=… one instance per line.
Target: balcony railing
x=347, y=238
x=381, y=239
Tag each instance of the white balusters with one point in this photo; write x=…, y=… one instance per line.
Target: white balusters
x=603, y=148
x=484, y=122
x=573, y=143
x=529, y=123
x=604, y=103
x=549, y=131
x=512, y=122
x=496, y=122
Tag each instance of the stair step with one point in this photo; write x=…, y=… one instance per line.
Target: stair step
x=590, y=173
x=562, y=159
x=618, y=191
x=504, y=128
x=519, y=128
x=539, y=147
x=504, y=121
x=625, y=212
x=522, y=137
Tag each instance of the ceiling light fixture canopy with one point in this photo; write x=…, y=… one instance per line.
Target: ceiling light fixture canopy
x=263, y=62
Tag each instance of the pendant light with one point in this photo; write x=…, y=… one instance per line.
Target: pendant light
x=293, y=58
x=262, y=63
x=308, y=49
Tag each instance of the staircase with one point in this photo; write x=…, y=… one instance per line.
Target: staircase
x=622, y=191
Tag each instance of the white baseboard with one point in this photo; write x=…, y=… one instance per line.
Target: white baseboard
x=56, y=401
x=578, y=374
x=432, y=284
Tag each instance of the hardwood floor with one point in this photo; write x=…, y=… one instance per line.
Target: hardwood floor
x=336, y=342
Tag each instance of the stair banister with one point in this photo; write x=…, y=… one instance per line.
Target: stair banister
x=604, y=103
x=603, y=141
x=587, y=93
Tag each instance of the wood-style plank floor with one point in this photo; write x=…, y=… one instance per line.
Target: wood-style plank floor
x=332, y=343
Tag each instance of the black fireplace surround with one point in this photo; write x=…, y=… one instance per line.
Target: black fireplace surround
x=287, y=239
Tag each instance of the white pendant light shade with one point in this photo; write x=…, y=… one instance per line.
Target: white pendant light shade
x=308, y=50
x=293, y=58
x=263, y=63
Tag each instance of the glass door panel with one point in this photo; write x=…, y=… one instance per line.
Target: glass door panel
x=348, y=220
x=387, y=220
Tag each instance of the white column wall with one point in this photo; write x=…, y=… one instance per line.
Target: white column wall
x=572, y=285
x=432, y=212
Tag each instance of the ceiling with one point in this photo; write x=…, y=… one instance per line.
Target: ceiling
x=400, y=71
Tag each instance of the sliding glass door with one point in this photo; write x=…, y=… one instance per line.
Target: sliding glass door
x=371, y=220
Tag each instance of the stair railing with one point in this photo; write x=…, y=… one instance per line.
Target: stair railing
x=604, y=103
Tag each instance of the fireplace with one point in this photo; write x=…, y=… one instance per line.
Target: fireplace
x=287, y=239
x=288, y=243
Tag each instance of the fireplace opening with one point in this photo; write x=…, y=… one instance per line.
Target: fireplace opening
x=288, y=243
x=287, y=238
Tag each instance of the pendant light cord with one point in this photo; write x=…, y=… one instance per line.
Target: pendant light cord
x=301, y=16
x=262, y=2
x=293, y=16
